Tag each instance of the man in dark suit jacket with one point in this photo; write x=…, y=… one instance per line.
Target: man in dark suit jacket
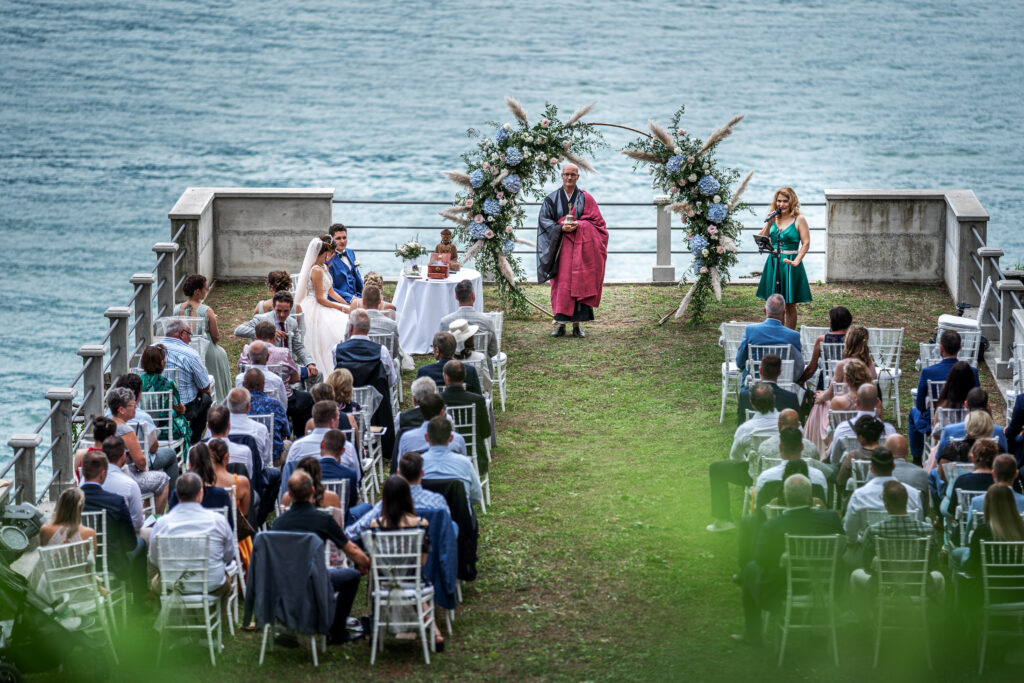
x=1015, y=428
x=444, y=351
x=771, y=332
x=455, y=394
x=125, y=551
x=763, y=579
x=771, y=366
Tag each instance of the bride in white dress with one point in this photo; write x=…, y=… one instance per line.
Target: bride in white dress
x=325, y=313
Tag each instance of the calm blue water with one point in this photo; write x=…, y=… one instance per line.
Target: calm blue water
x=108, y=110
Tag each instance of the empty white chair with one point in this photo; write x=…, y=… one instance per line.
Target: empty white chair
x=464, y=419
x=499, y=362
x=886, y=347
x=185, y=602
x=903, y=578
x=117, y=591
x=810, y=563
x=1002, y=569
x=731, y=334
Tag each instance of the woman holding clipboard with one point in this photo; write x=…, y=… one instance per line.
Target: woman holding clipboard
x=789, y=233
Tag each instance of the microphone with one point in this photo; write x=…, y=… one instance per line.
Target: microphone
x=772, y=215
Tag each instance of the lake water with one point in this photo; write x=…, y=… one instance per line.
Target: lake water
x=109, y=109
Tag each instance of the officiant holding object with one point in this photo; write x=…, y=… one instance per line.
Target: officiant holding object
x=795, y=239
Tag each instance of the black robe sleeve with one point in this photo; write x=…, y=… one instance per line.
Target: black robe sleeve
x=549, y=239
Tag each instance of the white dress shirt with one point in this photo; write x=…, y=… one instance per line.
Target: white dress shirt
x=192, y=519
x=309, y=447
x=760, y=423
x=123, y=485
x=273, y=385
x=869, y=497
x=775, y=474
x=243, y=424
x=385, y=358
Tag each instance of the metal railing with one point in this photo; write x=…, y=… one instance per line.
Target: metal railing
x=997, y=318
x=102, y=364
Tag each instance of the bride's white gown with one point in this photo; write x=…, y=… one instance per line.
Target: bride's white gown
x=325, y=326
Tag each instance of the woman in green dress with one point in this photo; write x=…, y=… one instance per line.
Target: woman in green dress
x=795, y=238
x=216, y=359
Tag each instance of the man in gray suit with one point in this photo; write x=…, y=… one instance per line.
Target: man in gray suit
x=289, y=332
x=464, y=295
x=379, y=322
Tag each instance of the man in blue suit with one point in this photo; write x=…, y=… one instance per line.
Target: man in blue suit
x=920, y=419
x=772, y=332
x=444, y=351
x=344, y=267
x=126, y=551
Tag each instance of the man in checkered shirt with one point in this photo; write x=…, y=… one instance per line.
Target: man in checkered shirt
x=192, y=378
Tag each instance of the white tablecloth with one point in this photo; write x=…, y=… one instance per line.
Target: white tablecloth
x=422, y=302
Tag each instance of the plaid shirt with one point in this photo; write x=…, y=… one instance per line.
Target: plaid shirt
x=898, y=526
x=192, y=375
x=267, y=405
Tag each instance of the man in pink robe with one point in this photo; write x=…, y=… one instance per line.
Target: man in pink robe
x=572, y=247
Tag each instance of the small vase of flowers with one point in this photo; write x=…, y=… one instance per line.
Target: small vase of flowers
x=410, y=252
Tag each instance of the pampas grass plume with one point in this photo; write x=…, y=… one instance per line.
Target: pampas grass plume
x=661, y=134
x=517, y=109
x=459, y=178
x=580, y=162
x=739, y=193
x=640, y=155
x=580, y=113
x=721, y=134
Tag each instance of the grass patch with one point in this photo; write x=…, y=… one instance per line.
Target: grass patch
x=594, y=562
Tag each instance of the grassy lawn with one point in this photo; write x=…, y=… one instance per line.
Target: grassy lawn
x=594, y=561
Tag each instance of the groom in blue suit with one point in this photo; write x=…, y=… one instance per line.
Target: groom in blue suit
x=345, y=276
x=772, y=332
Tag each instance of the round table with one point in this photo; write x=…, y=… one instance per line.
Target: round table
x=422, y=302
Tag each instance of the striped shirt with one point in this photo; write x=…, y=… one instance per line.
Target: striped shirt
x=192, y=375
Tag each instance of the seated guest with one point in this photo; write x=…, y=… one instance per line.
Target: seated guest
x=375, y=279
x=259, y=356
x=219, y=450
x=771, y=366
x=152, y=379
x=839, y=320
x=1004, y=473
x=983, y=455
x=298, y=402
x=741, y=466
x=764, y=579
x=897, y=525
x=345, y=277
x=455, y=394
x=1002, y=523
x=120, y=483
x=441, y=463
x=325, y=418
x=121, y=402
x=322, y=498
x=809, y=452
x=192, y=379
x=66, y=525
x=444, y=351
x=262, y=404
x=466, y=298
x=410, y=468
x=371, y=365
x=219, y=425
x=977, y=399
x=125, y=550
x=288, y=332
x=359, y=330
x=868, y=429
x=334, y=465
x=771, y=332
x=102, y=427
x=421, y=387
x=959, y=382
x=906, y=471
x=415, y=439
x=790, y=447
x=277, y=281
x=920, y=418
x=324, y=392
x=190, y=518
x=340, y=380
x=380, y=323
x=200, y=463
x=464, y=336
x=1015, y=429
x=302, y=516
x=867, y=404
x=799, y=466
x=978, y=426
x=869, y=496
x=239, y=403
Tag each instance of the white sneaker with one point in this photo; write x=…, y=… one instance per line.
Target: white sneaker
x=720, y=525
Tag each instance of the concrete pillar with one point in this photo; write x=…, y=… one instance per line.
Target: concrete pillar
x=165, y=278
x=92, y=380
x=1004, y=366
x=119, y=349
x=143, y=309
x=25, y=467
x=62, y=455
x=663, y=272
x=989, y=257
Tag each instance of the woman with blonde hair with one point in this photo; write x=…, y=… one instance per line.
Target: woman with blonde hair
x=341, y=381
x=794, y=240
x=66, y=525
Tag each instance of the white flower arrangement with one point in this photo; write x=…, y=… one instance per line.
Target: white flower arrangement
x=410, y=251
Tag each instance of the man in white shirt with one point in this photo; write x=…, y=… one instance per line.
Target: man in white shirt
x=325, y=418
x=741, y=466
x=119, y=483
x=869, y=496
x=218, y=420
x=273, y=385
x=790, y=448
x=867, y=401
x=189, y=518
x=359, y=328
x=238, y=403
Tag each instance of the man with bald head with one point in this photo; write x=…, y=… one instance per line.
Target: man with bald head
x=239, y=401
x=867, y=401
x=572, y=247
x=263, y=404
x=809, y=452
x=771, y=333
x=904, y=470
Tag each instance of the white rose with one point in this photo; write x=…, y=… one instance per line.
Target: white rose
x=677, y=150
x=494, y=156
x=527, y=154
x=704, y=252
x=503, y=202
x=716, y=199
x=714, y=237
x=706, y=167
x=487, y=142
x=507, y=127
x=692, y=178
x=528, y=138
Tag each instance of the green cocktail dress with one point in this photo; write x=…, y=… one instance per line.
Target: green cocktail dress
x=795, y=288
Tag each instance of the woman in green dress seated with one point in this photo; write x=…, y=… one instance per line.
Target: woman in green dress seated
x=795, y=238
x=154, y=359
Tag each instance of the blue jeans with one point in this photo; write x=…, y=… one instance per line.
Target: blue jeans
x=355, y=513
x=344, y=582
x=919, y=425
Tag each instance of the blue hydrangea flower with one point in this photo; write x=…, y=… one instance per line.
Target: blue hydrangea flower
x=476, y=178
x=708, y=185
x=508, y=247
x=501, y=135
x=477, y=230
x=717, y=212
x=675, y=163
x=513, y=156
x=513, y=183
x=698, y=244
x=698, y=263
x=492, y=207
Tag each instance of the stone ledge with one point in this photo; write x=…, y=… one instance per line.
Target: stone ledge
x=196, y=200
x=963, y=203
